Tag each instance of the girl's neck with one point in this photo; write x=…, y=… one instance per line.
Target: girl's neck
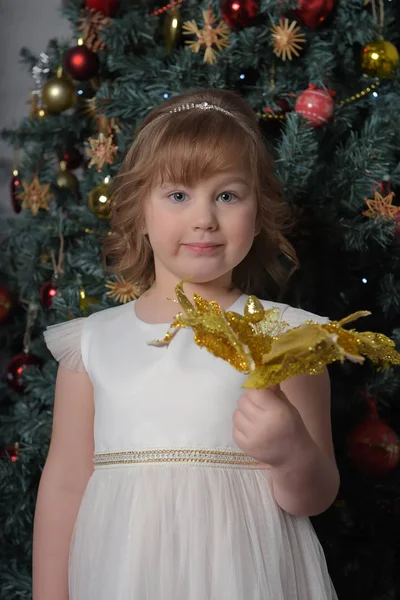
x=154, y=305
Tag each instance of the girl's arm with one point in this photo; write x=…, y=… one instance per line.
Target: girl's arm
x=308, y=481
x=66, y=473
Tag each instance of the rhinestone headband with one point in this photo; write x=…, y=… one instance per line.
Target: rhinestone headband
x=202, y=106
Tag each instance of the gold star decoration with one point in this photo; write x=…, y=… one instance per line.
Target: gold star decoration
x=209, y=36
x=91, y=26
x=35, y=195
x=102, y=151
x=381, y=206
x=287, y=39
x=122, y=291
x=261, y=345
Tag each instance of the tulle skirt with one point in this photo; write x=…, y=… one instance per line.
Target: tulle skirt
x=184, y=532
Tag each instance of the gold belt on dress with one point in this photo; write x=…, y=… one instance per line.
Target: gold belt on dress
x=190, y=456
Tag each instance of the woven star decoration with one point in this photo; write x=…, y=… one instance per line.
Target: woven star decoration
x=35, y=196
x=287, y=39
x=209, y=36
x=381, y=206
x=91, y=26
x=102, y=151
x=121, y=290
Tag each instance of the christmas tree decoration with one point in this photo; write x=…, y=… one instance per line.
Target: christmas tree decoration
x=260, y=344
x=163, y=9
x=80, y=62
x=286, y=39
x=35, y=196
x=122, y=291
x=100, y=200
x=209, y=36
x=47, y=292
x=14, y=187
x=373, y=446
x=314, y=12
x=172, y=29
x=282, y=107
x=86, y=302
x=37, y=111
x=71, y=156
x=239, y=13
x=109, y=8
x=6, y=304
x=15, y=368
x=10, y=453
x=316, y=105
x=58, y=94
x=102, y=151
x=50, y=288
x=90, y=27
x=65, y=179
x=380, y=59
x=381, y=206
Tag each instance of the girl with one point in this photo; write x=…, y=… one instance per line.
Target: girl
x=164, y=481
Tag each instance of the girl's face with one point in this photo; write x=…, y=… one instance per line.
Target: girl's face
x=203, y=231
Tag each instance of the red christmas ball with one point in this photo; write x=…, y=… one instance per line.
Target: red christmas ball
x=10, y=452
x=71, y=156
x=373, y=446
x=239, y=13
x=109, y=8
x=316, y=105
x=6, y=304
x=16, y=367
x=314, y=12
x=14, y=185
x=283, y=107
x=47, y=293
x=81, y=63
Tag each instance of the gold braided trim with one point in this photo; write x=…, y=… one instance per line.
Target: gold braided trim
x=203, y=456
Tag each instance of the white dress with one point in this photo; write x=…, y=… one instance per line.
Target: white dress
x=174, y=510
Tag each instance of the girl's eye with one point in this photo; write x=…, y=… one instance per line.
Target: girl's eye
x=227, y=197
x=178, y=196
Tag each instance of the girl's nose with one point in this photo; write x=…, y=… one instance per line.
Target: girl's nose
x=204, y=217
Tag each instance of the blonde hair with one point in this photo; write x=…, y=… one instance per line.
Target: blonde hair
x=185, y=147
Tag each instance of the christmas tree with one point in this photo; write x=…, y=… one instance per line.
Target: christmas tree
x=322, y=75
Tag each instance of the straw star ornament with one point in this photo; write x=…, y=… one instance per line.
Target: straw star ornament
x=35, y=196
x=121, y=290
x=381, y=206
x=209, y=36
x=102, y=151
x=286, y=39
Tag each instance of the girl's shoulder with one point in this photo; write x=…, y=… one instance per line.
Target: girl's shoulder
x=294, y=316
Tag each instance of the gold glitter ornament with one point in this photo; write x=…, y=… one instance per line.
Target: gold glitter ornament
x=260, y=344
x=380, y=58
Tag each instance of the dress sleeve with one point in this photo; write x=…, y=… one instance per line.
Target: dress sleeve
x=64, y=342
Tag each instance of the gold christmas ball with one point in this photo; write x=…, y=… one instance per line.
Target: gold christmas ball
x=58, y=94
x=100, y=201
x=65, y=179
x=380, y=59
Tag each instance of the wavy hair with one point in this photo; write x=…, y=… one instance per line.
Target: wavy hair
x=185, y=147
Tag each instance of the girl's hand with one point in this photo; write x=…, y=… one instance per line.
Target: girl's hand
x=267, y=427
